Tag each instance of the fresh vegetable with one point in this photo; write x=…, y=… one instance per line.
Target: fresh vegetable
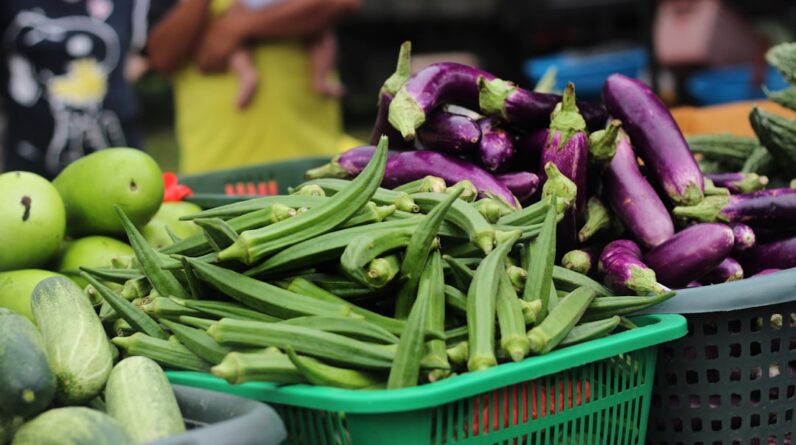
x=623, y=269
x=590, y=330
x=131, y=313
x=513, y=339
x=386, y=94
x=602, y=144
x=64, y=315
x=542, y=255
x=449, y=133
x=321, y=374
x=523, y=185
x=783, y=58
x=606, y=307
x=739, y=182
x=433, y=282
x=579, y=260
x=765, y=272
x=464, y=216
x=496, y=147
x=726, y=147
x=430, y=183
x=786, y=97
x=562, y=318
x=744, y=236
x=166, y=223
x=712, y=190
x=777, y=134
x=598, y=218
x=728, y=270
x=774, y=255
x=27, y=382
x=239, y=367
x=766, y=208
x=656, y=136
x=633, y=199
x=691, y=253
x=17, y=286
x=74, y=426
x=170, y=354
x=140, y=398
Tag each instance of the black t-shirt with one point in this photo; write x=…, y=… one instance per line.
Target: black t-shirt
x=63, y=86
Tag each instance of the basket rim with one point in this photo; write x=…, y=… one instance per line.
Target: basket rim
x=767, y=290
x=653, y=330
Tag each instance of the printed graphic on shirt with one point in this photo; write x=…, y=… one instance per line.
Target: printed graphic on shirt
x=73, y=84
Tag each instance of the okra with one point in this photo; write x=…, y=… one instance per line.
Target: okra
x=135, y=288
x=462, y=215
x=113, y=275
x=381, y=271
x=598, y=218
x=481, y=300
x=198, y=342
x=552, y=299
x=627, y=323
x=513, y=339
x=590, y=330
x=224, y=309
x=559, y=322
x=106, y=313
x=165, y=308
x=430, y=183
x=197, y=244
x=417, y=251
x=517, y=277
x=469, y=192
x=196, y=322
x=263, y=296
x=533, y=214
x=568, y=280
x=137, y=318
x=309, y=190
x=543, y=255
x=170, y=232
x=163, y=281
x=121, y=328
x=402, y=201
x=458, y=354
x=218, y=233
x=249, y=206
x=242, y=367
x=321, y=374
x=605, y=307
x=462, y=274
x=369, y=214
x=368, y=246
x=168, y=354
x=432, y=281
x=341, y=286
x=489, y=209
x=456, y=299
x=457, y=334
x=530, y=311
x=359, y=329
x=334, y=347
x=253, y=245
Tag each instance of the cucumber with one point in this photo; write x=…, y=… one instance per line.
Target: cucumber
x=76, y=344
x=27, y=383
x=8, y=427
x=140, y=397
x=72, y=426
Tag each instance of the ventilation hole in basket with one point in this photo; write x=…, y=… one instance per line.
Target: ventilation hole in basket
x=793, y=319
x=689, y=352
x=775, y=344
x=735, y=350
x=693, y=401
x=789, y=415
x=772, y=418
x=718, y=442
x=773, y=370
x=711, y=352
x=736, y=442
x=755, y=373
x=713, y=375
x=667, y=353
x=656, y=400
x=735, y=423
x=735, y=399
x=773, y=393
x=677, y=424
x=660, y=424
x=791, y=391
x=792, y=367
x=755, y=441
x=792, y=344
x=754, y=397
x=734, y=326
x=671, y=378
x=755, y=349
x=674, y=401
x=755, y=420
x=696, y=424
x=715, y=425
x=756, y=324
x=710, y=328
x=776, y=321
x=691, y=377
x=735, y=374
x=715, y=400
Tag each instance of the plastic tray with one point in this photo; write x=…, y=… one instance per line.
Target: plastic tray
x=731, y=84
x=601, y=391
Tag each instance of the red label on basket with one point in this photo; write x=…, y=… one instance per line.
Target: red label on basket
x=173, y=190
x=261, y=188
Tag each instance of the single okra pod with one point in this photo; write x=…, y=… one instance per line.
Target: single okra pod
x=590, y=330
x=462, y=274
x=489, y=209
x=547, y=335
x=568, y=280
x=321, y=374
x=136, y=317
x=462, y=215
x=165, y=308
x=359, y=329
x=433, y=281
x=532, y=214
x=513, y=339
x=114, y=275
x=517, y=277
x=469, y=192
x=253, y=245
x=543, y=255
x=458, y=354
x=481, y=300
x=224, y=309
x=367, y=247
x=606, y=307
x=242, y=367
x=218, y=233
x=249, y=206
x=402, y=201
x=166, y=353
x=134, y=288
x=198, y=342
x=196, y=322
x=429, y=184
x=456, y=299
x=369, y=214
x=627, y=323
x=382, y=270
x=309, y=190
x=417, y=251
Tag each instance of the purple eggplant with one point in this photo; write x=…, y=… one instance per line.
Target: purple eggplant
x=774, y=255
x=496, y=148
x=528, y=109
x=656, y=136
x=345, y=165
x=522, y=184
x=691, y=253
x=624, y=271
x=449, y=133
x=775, y=208
x=633, y=199
x=529, y=149
x=598, y=218
x=745, y=237
x=580, y=260
x=739, y=182
x=432, y=86
x=386, y=94
x=728, y=270
x=765, y=272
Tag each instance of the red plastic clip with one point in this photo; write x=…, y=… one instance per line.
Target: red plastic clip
x=173, y=190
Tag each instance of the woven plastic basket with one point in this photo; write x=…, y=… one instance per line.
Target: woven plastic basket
x=593, y=393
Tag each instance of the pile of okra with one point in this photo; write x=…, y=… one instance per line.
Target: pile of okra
x=346, y=284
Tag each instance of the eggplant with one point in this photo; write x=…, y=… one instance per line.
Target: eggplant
x=449, y=133
x=579, y=260
x=602, y=144
x=496, y=148
x=522, y=184
x=432, y=86
x=691, y=253
x=744, y=235
x=624, y=271
x=775, y=208
x=598, y=218
x=528, y=109
x=765, y=272
x=345, y=165
x=633, y=200
x=656, y=136
x=386, y=94
x=528, y=149
x=739, y=182
x=728, y=270
x=774, y=255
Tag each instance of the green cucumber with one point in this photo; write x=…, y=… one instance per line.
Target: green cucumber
x=76, y=344
x=140, y=398
x=27, y=383
x=72, y=426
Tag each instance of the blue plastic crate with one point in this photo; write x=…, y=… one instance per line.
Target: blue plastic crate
x=731, y=84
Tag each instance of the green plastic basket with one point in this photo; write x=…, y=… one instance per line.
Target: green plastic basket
x=225, y=186
x=600, y=394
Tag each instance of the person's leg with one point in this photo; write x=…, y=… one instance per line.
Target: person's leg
x=242, y=65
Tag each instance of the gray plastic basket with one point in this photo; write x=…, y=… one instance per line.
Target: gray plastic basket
x=214, y=418
x=732, y=379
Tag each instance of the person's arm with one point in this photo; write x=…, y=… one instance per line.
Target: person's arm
x=289, y=19
x=172, y=41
